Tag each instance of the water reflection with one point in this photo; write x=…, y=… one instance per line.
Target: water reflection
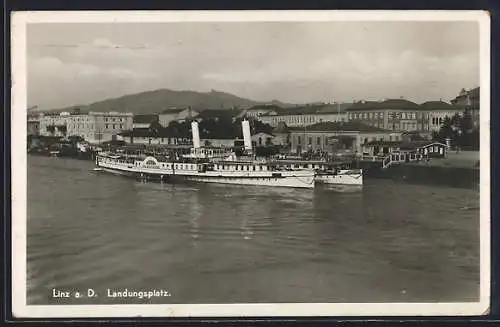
x=255, y=244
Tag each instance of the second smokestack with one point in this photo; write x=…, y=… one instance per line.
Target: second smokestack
x=247, y=136
x=196, y=135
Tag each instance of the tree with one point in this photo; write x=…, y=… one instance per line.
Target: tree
x=62, y=128
x=51, y=129
x=460, y=130
x=182, y=130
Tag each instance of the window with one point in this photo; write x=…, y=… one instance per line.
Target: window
x=106, y=125
x=318, y=140
x=310, y=140
x=114, y=126
x=298, y=140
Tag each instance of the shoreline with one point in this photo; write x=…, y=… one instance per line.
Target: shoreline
x=464, y=176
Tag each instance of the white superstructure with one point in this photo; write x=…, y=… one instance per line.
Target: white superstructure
x=224, y=172
x=327, y=173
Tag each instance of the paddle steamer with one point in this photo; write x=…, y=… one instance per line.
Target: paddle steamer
x=210, y=166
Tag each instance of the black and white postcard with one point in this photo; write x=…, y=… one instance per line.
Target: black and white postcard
x=250, y=164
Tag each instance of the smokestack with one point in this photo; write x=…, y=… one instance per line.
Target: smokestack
x=196, y=134
x=247, y=137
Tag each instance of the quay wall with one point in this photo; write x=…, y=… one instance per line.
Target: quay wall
x=460, y=177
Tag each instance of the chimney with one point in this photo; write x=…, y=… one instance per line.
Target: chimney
x=247, y=137
x=196, y=134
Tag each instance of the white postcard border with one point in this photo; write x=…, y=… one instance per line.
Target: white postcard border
x=19, y=172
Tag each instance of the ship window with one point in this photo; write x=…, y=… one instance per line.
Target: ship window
x=253, y=168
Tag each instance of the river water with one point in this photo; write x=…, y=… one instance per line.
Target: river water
x=389, y=242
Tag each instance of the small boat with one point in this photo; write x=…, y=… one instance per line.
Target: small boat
x=327, y=172
x=98, y=169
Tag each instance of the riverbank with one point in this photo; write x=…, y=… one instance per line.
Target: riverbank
x=457, y=170
x=461, y=177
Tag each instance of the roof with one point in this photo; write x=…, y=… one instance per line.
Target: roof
x=340, y=126
x=144, y=119
x=173, y=110
x=329, y=108
x=400, y=104
x=213, y=113
x=439, y=105
x=265, y=107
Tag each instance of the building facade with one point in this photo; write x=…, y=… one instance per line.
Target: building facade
x=163, y=138
x=393, y=114
x=33, y=125
x=94, y=127
x=259, y=110
x=438, y=111
x=331, y=137
x=262, y=139
x=403, y=115
x=470, y=100
x=298, y=120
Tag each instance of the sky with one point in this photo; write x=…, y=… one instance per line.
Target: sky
x=296, y=62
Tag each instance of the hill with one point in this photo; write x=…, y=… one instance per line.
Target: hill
x=159, y=100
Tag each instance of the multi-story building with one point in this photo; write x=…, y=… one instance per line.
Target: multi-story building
x=94, y=127
x=403, y=115
x=470, y=100
x=260, y=110
x=438, y=111
x=329, y=137
x=33, y=124
x=392, y=114
x=306, y=116
x=176, y=114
